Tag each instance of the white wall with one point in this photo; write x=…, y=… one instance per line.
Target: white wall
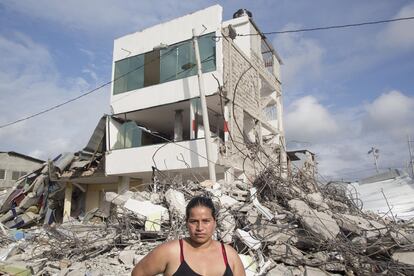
x=10, y=163
x=177, y=30
x=164, y=93
x=136, y=160
x=242, y=26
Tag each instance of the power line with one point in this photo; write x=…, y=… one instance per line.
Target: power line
x=55, y=107
x=96, y=89
x=333, y=26
x=265, y=33
x=84, y=94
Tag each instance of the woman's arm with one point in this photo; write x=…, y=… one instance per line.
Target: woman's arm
x=235, y=261
x=154, y=263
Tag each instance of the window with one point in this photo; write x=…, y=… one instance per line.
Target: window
x=129, y=136
x=16, y=175
x=129, y=74
x=159, y=66
x=2, y=174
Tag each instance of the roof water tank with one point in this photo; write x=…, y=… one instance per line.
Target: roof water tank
x=242, y=12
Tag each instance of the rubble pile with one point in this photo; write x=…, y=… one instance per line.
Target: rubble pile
x=279, y=226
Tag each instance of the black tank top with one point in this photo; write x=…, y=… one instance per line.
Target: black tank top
x=185, y=270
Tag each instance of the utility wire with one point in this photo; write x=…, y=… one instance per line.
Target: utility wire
x=266, y=33
x=86, y=93
x=56, y=106
x=333, y=26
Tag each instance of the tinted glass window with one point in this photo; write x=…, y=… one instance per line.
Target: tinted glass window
x=174, y=62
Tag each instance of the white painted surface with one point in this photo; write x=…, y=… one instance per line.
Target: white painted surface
x=136, y=160
x=242, y=25
x=171, y=32
x=112, y=134
x=398, y=191
x=179, y=29
x=165, y=93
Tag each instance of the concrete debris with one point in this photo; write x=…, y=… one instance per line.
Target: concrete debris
x=146, y=209
x=176, y=202
x=248, y=239
x=320, y=223
x=316, y=199
x=127, y=257
x=279, y=226
x=286, y=253
x=283, y=270
x=115, y=198
x=404, y=257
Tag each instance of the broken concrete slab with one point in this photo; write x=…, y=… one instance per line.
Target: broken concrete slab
x=228, y=202
x=317, y=200
x=273, y=233
x=402, y=237
x=226, y=225
x=286, y=253
x=146, y=208
x=360, y=225
x=284, y=270
x=313, y=271
x=249, y=264
x=248, y=239
x=319, y=223
x=115, y=198
x=127, y=257
x=262, y=209
x=406, y=257
x=176, y=202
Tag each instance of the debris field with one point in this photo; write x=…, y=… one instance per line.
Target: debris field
x=279, y=226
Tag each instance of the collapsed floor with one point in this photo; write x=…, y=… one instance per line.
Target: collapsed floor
x=278, y=226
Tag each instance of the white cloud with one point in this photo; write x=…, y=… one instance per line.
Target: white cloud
x=392, y=113
x=398, y=35
x=31, y=83
x=342, y=140
x=302, y=57
x=102, y=16
x=307, y=120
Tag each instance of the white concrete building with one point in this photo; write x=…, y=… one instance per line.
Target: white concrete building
x=14, y=165
x=156, y=114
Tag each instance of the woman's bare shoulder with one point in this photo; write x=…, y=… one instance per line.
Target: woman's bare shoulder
x=169, y=247
x=230, y=250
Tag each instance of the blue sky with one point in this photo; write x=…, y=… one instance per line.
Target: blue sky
x=344, y=90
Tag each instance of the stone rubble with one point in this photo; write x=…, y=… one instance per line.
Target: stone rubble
x=279, y=227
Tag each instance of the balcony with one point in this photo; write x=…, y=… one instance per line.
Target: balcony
x=169, y=137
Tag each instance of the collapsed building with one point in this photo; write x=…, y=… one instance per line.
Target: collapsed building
x=100, y=210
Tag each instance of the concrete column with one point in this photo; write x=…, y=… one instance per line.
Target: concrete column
x=68, y=201
x=178, y=125
x=123, y=184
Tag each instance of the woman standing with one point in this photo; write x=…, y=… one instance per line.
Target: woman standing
x=197, y=254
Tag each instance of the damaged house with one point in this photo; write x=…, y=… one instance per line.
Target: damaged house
x=155, y=99
x=156, y=122
x=106, y=198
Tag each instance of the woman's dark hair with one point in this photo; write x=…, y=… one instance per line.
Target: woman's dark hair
x=200, y=201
